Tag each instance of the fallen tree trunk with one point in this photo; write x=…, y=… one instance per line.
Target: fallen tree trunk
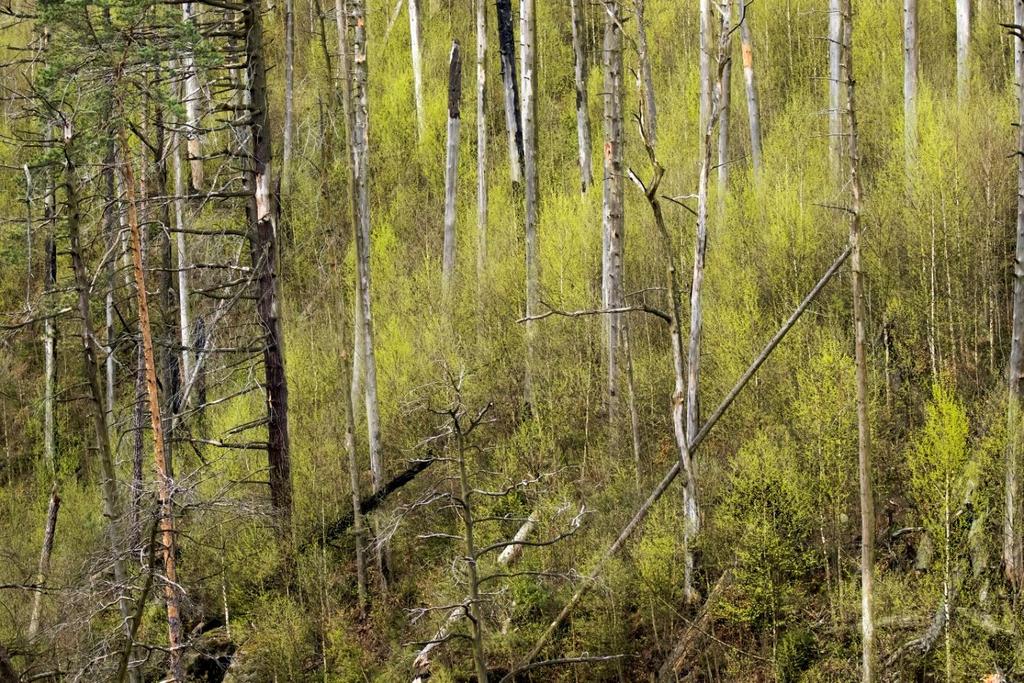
x=694, y=634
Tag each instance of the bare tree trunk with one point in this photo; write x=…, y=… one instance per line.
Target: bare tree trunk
x=44, y=561
x=417, y=66
x=911, y=58
x=90, y=351
x=50, y=333
x=507, y=50
x=481, y=140
x=289, y=97
x=528, y=29
x=165, y=485
x=263, y=241
x=867, y=501
x=1013, y=563
x=650, y=110
x=451, y=167
x=580, y=71
x=724, y=103
x=184, y=316
x=750, y=81
x=963, y=47
x=192, y=97
x=835, y=84
x=612, y=212
x=705, y=62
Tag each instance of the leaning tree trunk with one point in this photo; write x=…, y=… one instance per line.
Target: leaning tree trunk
x=612, y=212
x=44, y=561
x=1013, y=562
x=867, y=501
x=963, y=47
x=750, y=82
x=528, y=30
x=911, y=58
x=416, y=48
x=835, y=84
x=263, y=239
x=451, y=167
x=650, y=111
x=507, y=50
x=481, y=140
x=165, y=486
x=580, y=71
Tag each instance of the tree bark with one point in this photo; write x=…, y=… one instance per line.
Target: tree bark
x=507, y=51
x=750, y=81
x=704, y=62
x=835, y=84
x=650, y=110
x=263, y=241
x=192, y=97
x=911, y=59
x=289, y=97
x=184, y=316
x=481, y=140
x=417, y=66
x=724, y=104
x=451, y=167
x=867, y=501
x=612, y=204
x=50, y=333
x=580, y=70
x=963, y=47
x=44, y=561
x=528, y=29
x=165, y=485
x=1013, y=563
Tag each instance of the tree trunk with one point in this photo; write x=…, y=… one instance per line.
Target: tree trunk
x=911, y=58
x=650, y=110
x=750, y=81
x=417, y=66
x=867, y=501
x=612, y=212
x=528, y=29
x=451, y=167
x=963, y=47
x=184, y=317
x=481, y=140
x=50, y=333
x=580, y=71
x=835, y=84
x=193, y=94
x=165, y=486
x=724, y=102
x=1013, y=563
x=263, y=239
x=507, y=50
x=44, y=561
x=289, y=97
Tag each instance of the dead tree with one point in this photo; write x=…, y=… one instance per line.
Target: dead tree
x=724, y=103
x=193, y=117
x=963, y=47
x=415, y=47
x=645, y=77
x=580, y=71
x=289, y=97
x=835, y=84
x=481, y=140
x=44, y=561
x=867, y=501
x=911, y=59
x=750, y=82
x=527, y=52
x=451, y=167
x=507, y=51
x=704, y=62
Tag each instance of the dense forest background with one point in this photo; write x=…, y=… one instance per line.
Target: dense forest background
x=306, y=375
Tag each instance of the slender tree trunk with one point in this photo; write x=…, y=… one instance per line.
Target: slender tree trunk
x=451, y=167
x=724, y=104
x=963, y=47
x=165, y=485
x=835, y=84
x=184, y=316
x=612, y=213
x=44, y=561
x=528, y=30
x=650, y=110
x=750, y=81
x=90, y=351
x=289, y=97
x=193, y=117
x=580, y=71
x=867, y=500
x=704, y=62
x=911, y=58
x=507, y=51
x=264, y=247
x=50, y=333
x=1013, y=563
x=481, y=140
x=417, y=66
